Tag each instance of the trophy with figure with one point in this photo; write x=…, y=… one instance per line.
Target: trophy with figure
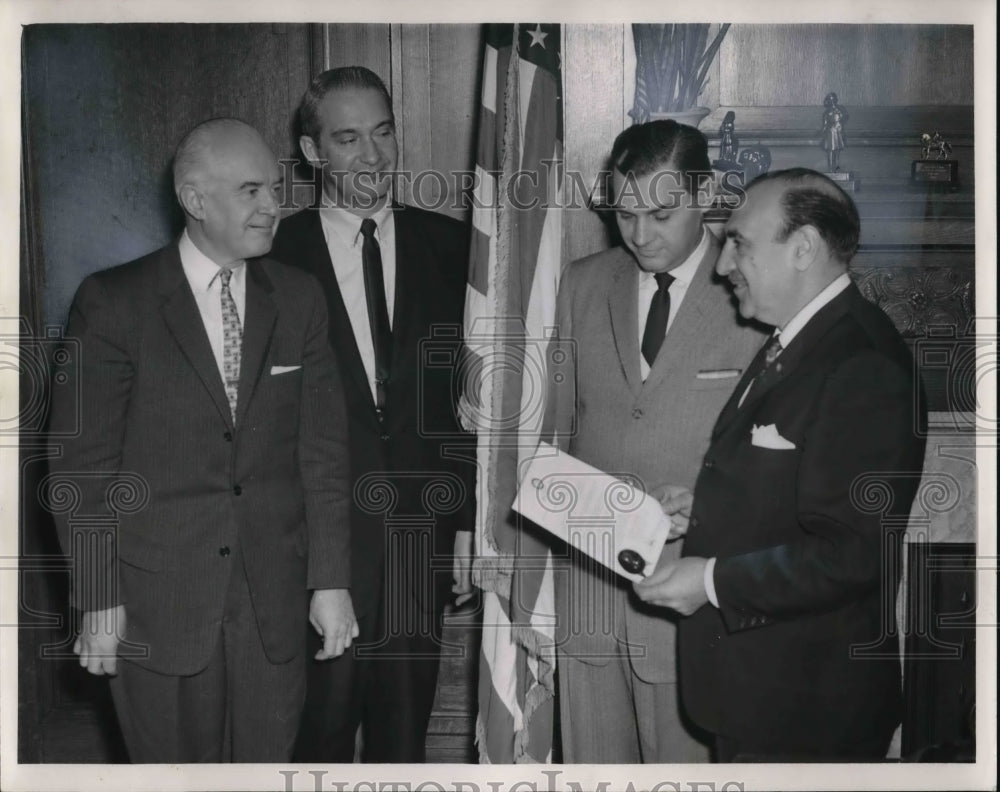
x=833, y=141
x=935, y=169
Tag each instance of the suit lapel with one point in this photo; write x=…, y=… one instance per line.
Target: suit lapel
x=183, y=320
x=788, y=361
x=406, y=318
x=258, y=326
x=623, y=310
x=690, y=323
x=316, y=257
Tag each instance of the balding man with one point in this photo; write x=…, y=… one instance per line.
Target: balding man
x=792, y=555
x=205, y=374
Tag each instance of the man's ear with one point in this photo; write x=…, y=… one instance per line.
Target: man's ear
x=191, y=201
x=806, y=246
x=308, y=146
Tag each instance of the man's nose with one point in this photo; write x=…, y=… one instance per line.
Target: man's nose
x=725, y=263
x=369, y=151
x=268, y=203
x=640, y=231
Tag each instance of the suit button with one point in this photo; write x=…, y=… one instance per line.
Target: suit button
x=637, y=413
x=709, y=464
x=237, y=490
x=693, y=522
x=223, y=551
x=384, y=437
x=228, y=437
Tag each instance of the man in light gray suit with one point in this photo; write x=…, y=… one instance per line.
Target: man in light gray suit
x=653, y=352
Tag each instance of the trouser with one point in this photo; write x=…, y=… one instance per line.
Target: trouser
x=385, y=683
x=793, y=748
x=608, y=715
x=239, y=708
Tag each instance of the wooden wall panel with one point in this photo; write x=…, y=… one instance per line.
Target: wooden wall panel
x=894, y=65
x=412, y=93
x=456, y=53
x=594, y=94
x=358, y=45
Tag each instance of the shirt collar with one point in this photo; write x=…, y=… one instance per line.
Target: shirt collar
x=347, y=226
x=811, y=308
x=199, y=268
x=685, y=272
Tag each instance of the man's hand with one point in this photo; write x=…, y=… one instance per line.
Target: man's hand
x=97, y=643
x=331, y=613
x=462, y=568
x=679, y=586
x=675, y=501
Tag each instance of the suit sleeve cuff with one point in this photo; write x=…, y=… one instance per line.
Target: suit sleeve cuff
x=710, y=582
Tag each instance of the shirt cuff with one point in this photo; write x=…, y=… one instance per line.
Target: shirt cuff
x=710, y=582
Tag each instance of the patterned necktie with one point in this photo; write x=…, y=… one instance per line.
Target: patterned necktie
x=232, y=341
x=771, y=351
x=656, y=319
x=762, y=363
x=378, y=312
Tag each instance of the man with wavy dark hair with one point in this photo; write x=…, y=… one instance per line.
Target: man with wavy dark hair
x=790, y=567
x=393, y=277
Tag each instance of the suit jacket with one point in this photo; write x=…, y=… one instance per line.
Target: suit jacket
x=405, y=474
x=657, y=430
x=804, y=648
x=156, y=443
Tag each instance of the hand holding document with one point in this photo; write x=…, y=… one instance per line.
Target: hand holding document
x=608, y=518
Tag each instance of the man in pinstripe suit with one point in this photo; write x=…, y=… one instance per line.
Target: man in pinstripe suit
x=205, y=375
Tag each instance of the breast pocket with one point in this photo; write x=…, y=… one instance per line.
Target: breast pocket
x=715, y=382
x=283, y=385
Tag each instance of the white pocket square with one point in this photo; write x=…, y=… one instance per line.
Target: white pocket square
x=716, y=374
x=768, y=437
x=283, y=369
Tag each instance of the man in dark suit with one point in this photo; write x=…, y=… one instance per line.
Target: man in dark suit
x=653, y=352
x=394, y=280
x=792, y=556
x=206, y=384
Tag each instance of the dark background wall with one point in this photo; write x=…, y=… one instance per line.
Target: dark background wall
x=105, y=106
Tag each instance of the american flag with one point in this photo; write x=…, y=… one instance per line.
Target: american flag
x=516, y=260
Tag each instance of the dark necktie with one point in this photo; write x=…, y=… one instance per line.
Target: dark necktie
x=656, y=319
x=760, y=364
x=378, y=312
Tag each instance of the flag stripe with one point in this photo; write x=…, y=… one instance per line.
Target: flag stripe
x=515, y=261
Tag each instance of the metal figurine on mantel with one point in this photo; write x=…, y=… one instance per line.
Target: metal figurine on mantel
x=935, y=168
x=728, y=143
x=833, y=141
x=738, y=171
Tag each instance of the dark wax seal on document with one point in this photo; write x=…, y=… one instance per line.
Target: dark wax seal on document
x=631, y=561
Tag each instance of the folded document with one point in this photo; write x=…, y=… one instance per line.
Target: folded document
x=610, y=519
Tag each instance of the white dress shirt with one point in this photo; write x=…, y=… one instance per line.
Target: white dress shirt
x=785, y=335
x=203, y=276
x=344, y=241
x=683, y=275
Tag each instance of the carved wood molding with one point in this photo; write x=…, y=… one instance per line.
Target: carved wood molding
x=916, y=298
